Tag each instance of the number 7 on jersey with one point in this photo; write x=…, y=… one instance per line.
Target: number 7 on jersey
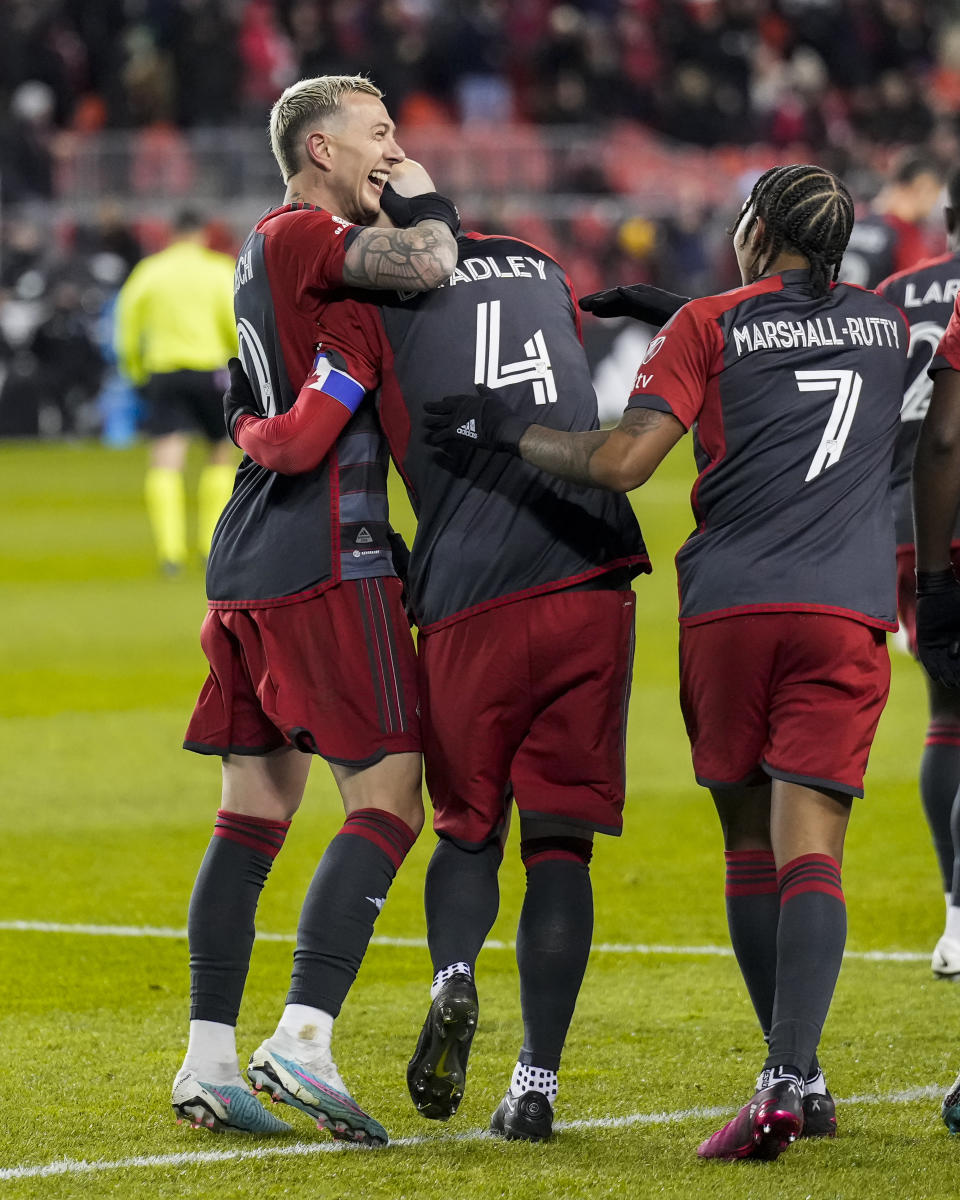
x=847, y=385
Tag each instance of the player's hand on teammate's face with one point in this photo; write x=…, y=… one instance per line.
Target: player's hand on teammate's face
x=480, y=419
x=641, y=301
x=938, y=626
x=238, y=399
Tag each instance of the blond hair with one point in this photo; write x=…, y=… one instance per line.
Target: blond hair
x=306, y=101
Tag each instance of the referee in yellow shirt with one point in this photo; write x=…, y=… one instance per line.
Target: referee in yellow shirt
x=175, y=330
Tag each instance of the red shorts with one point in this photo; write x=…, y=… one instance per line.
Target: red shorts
x=795, y=696
x=528, y=699
x=334, y=675
x=907, y=589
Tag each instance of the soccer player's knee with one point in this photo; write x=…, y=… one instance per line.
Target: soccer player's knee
x=555, y=848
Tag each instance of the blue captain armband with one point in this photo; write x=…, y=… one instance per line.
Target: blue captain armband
x=333, y=381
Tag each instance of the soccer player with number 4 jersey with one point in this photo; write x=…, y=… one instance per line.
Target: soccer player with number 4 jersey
x=787, y=587
x=520, y=585
x=926, y=293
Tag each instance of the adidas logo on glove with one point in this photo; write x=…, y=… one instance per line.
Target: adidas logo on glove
x=469, y=429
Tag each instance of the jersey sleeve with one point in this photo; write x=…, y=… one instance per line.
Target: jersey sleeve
x=947, y=357
x=673, y=375
x=301, y=438
x=315, y=244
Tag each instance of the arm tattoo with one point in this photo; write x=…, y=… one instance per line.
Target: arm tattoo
x=568, y=455
x=414, y=259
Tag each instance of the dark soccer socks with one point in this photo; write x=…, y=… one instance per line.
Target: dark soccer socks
x=553, y=943
x=461, y=897
x=810, y=941
x=223, y=905
x=343, y=901
x=753, y=917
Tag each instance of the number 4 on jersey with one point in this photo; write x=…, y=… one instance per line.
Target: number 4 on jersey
x=489, y=370
x=847, y=385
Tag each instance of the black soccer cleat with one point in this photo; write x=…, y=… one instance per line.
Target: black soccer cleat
x=437, y=1072
x=819, y=1115
x=526, y=1118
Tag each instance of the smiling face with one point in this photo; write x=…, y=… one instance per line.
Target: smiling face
x=357, y=151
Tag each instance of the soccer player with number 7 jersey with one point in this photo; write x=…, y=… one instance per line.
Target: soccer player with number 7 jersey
x=787, y=586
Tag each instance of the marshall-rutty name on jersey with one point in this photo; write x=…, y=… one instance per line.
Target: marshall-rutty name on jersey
x=940, y=291
x=816, y=331
x=513, y=266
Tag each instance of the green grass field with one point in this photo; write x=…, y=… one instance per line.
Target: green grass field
x=105, y=820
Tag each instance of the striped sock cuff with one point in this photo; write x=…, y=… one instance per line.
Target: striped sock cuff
x=257, y=833
x=750, y=873
x=810, y=873
x=555, y=849
x=942, y=733
x=386, y=831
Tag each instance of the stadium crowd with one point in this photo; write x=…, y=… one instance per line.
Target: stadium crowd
x=505, y=101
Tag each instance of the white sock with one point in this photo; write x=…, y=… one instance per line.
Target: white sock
x=953, y=923
x=817, y=1086
x=534, y=1079
x=212, y=1051
x=446, y=973
x=306, y=1031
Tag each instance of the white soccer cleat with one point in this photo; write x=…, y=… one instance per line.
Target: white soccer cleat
x=222, y=1107
x=316, y=1089
x=945, y=962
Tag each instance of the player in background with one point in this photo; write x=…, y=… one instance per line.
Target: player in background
x=936, y=506
x=174, y=333
x=793, y=389
x=926, y=293
x=520, y=585
x=309, y=647
x=892, y=236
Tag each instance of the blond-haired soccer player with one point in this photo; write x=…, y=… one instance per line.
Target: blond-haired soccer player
x=309, y=647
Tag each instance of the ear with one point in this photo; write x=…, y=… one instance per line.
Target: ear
x=319, y=149
x=755, y=244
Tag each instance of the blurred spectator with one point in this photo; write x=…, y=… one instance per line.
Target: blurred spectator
x=893, y=235
x=68, y=365
x=26, y=137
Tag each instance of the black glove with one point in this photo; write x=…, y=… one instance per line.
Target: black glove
x=480, y=419
x=238, y=399
x=411, y=210
x=641, y=301
x=400, y=553
x=938, y=625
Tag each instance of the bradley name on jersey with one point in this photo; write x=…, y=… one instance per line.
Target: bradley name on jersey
x=815, y=331
x=512, y=266
x=940, y=291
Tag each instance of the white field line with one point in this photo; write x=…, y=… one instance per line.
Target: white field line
x=69, y=1166
x=156, y=931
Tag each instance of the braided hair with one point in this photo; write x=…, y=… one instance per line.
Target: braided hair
x=805, y=209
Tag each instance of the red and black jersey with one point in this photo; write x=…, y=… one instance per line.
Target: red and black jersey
x=795, y=401
x=491, y=528
x=881, y=245
x=926, y=293
x=283, y=538
x=947, y=357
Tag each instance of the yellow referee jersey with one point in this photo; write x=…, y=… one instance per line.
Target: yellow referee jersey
x=175, y=313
